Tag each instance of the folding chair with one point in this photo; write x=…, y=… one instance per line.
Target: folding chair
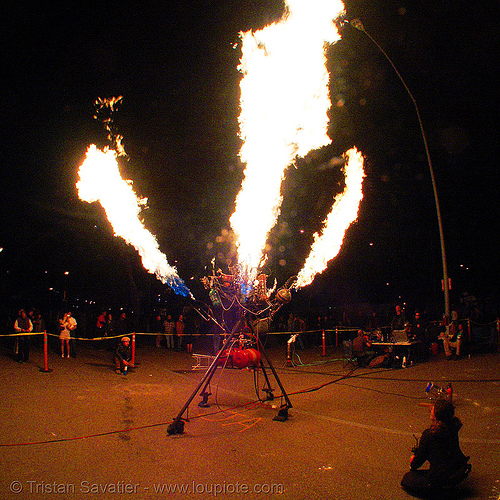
x=349, y=358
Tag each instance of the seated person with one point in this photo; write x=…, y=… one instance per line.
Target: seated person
x=123, y=356
x=439, y=445
x=360, y=350
x=452, y=338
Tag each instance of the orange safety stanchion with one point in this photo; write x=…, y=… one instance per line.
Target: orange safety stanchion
x=133, y=348
x=45, y=368
x=324, y=342
x=336, y=336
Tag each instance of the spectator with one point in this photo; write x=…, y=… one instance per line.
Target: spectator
x=418, y=333
x=123, y=356
x=439, y=445
x=38, y=322
x=398, y=320
x=360, y=349
x=101, y=324
x=373, y=322
x=67, y=325
x=169, y=329
x=452, y=338
x=179, y=331
x=72, y=341
x=191, y=329
x=121, y=325
x=158, y=328
x=109, y=331
x=23, y=325
x=109, y=327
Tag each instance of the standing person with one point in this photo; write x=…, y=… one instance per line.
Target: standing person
x=100, y=329
x=418, y=329
x=23, y=325
x=418, y=333
x=121, y=326
x=109, y=331
x=191, y=329
x=158, y=328
x=179, y=331
x=109, y=327
x=439, y=445
x=398, y=320
x=71, y=321
x=67, y=325
x=64, y=334
x=169, y=329
x=101, y=324
x=38, y=324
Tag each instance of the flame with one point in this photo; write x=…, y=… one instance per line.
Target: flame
x=284, y=103
x=100, y=180
x=344, y=212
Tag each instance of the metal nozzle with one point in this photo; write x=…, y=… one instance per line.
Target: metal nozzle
x=356, y=23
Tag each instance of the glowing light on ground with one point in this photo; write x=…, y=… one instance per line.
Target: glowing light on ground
x=284, y=103
x=100, y=180
x=344, y=212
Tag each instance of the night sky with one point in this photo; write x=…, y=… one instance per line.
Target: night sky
x=175, y=64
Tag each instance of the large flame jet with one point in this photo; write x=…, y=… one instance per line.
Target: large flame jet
x=284, y=104
x=344, y=211
x=100, y=180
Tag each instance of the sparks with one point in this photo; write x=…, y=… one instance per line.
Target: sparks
x=100, y=180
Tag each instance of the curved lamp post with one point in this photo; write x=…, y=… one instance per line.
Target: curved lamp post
x=356, y=23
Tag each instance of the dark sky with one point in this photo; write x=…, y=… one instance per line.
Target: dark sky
x=175, y=64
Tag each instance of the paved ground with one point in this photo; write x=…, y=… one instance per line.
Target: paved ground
x=82, y=431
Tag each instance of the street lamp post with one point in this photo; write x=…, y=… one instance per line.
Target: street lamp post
x=65, y=302
x=356, y=23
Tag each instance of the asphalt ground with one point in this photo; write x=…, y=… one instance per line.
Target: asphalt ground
x=83, y=431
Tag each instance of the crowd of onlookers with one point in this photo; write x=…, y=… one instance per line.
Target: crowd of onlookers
x=105, y=328
x=182, y=329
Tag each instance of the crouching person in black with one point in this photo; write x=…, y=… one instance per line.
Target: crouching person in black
x=123, y=356
x=439, y=445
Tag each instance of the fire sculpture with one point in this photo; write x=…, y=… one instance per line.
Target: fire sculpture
x=284, y=103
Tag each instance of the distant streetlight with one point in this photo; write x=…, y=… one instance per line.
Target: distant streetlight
x=356, y=23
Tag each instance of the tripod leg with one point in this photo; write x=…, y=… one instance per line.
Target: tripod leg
x=177, y=426
x=267, y=388
x=278, y=381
